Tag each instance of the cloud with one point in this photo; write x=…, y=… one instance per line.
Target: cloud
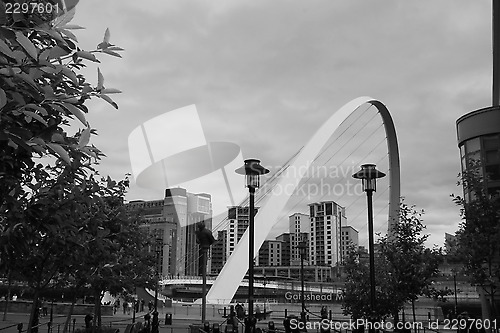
x=266, y=75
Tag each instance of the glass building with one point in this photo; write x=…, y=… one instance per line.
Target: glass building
x=478, y=135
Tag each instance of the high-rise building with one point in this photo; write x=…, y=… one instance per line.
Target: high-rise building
x=238, y=218
x=173, y=221
x=162, y=229
x=349, y=238
x=299, y=226
x=270, y=253
x=478, y=135
x=285, y=248
x=219, y=252
x=187, y=210
x=326, y=218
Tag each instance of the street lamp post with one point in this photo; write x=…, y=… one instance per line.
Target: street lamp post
x=455, y=290
x=368, y=175
x=252, y=170
x=158, y=249
x=205, y=238
x=302, y=247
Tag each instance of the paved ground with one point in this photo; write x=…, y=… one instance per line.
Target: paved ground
x=182, y=317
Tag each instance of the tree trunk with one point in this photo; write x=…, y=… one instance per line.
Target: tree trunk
x=395, y=315
x=7, y=299
x=492, y=307
x=34, y=314
x=96, y=323
x=413, y=310
x=70, y=313
x=99, y=310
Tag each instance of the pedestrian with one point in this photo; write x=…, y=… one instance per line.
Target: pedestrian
x=324, y=312
x=240, y=311
x=88, y=321
x=125, y=306
x=44, y=308
x=150, y=306
x=117, y=306
x=142, y=304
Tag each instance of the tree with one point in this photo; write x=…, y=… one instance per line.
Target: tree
x=404, y=268
x=41, y=93
x=117, y=256
x=478, y=235
x=356, y=295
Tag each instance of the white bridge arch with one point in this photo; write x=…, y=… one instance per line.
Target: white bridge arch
x=233, y=272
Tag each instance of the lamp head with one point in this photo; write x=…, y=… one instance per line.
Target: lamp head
x=368, y=175
x=252, y=170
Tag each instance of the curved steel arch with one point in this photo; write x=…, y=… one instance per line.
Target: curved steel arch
x=235, y=268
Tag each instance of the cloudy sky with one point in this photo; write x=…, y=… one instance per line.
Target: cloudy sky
x=265, y=75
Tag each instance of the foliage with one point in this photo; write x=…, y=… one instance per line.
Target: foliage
x=42, y=92
x=356, y=297
x=404, y=268
x=48, y=218
x=477, y=238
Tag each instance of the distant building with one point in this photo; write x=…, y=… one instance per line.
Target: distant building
x=311, y=273
x=270, y=253
x=349, y=238
x=162, y=228
x=326, y=218
x=299, y=226
x=219, y=252
x=285, y=239
x=238, y=218
x=173, y=221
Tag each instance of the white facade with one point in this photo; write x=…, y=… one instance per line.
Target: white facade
x=349, y=237
x=238, y=222
x=299, y=226
x=326, y=219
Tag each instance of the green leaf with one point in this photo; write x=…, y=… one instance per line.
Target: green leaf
x=65, y=18
x=38, y=108
x=87, y=55
x=3, y=98
x=35, y=116
x=110, y=91
x=27, y=45
x=68, y=34
x=107, y=35
x=26, y=78
x=84, y=137
x=115, y=48
x=60, y=151
x=112, y=53
x=72, y=27
x=100, y=79
x=68, y=73
x=109, y=100
x=57, y=52
x=5, y=49
x=76, y=112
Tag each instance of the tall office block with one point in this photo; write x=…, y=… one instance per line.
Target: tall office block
x=173, y=220
x=238, y=218
x=219, y=248
x=299, y=226
x=326, y=218
x=349, y=238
